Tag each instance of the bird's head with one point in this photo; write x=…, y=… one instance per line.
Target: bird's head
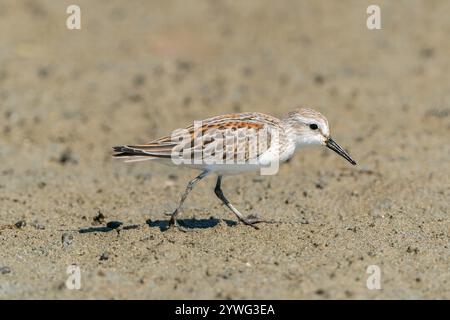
x=309, y=127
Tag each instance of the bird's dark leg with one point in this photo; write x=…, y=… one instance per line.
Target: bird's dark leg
x=190, y=186
x=250, y=221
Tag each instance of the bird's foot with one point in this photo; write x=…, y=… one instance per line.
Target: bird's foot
x=252, y=220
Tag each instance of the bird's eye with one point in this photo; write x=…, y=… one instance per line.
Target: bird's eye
x=313, y=126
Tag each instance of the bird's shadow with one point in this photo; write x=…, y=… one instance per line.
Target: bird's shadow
x=108, y=228
x=164, y=225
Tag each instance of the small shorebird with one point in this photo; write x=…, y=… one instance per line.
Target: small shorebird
x=281, y=139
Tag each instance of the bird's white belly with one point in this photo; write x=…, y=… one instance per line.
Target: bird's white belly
x=267, y=163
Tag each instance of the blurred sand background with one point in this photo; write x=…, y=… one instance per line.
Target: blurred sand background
x=139, y=69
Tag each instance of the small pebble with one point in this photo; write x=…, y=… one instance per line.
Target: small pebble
x=303, y=220
x=66, y=157
x=42, y=185
x=320, y=292
x=37, y=225
x=412, y=250
x=5, y=270
x=319, y=79
x=104, y=256
x=66, y=239
x=20, y=224
x=99, y=218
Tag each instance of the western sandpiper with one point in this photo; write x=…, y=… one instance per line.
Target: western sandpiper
x=235, y=143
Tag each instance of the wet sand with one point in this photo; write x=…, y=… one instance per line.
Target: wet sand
x=136, y=71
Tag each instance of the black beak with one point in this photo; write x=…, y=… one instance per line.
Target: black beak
x=331, y=144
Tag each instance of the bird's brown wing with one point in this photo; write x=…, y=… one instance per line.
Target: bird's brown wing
x=233, y=135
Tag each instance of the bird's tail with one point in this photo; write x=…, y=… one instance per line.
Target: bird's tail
x=142, y=152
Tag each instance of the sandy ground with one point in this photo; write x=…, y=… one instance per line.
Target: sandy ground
x=139, y=69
